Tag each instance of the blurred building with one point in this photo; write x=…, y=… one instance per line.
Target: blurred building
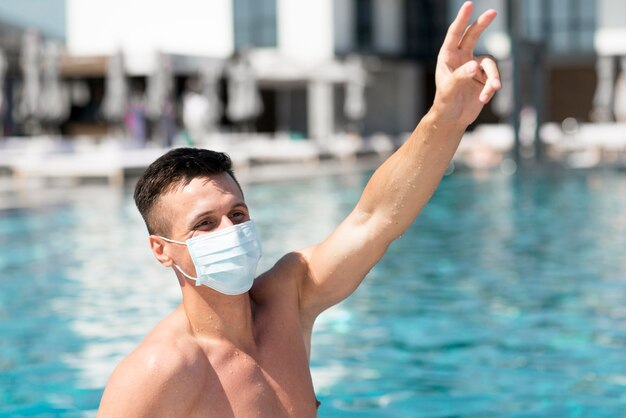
x=325, y=66
x=569, y=56
x=297, y=51
x=17, y=18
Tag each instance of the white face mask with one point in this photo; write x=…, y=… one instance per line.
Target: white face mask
x=225, y=260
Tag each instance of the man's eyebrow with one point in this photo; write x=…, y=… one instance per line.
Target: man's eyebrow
x=196, y=218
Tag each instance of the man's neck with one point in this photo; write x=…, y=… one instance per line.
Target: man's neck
x=216, y=316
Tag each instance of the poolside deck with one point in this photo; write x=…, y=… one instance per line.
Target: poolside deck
x=256, y=158
x=264, y=158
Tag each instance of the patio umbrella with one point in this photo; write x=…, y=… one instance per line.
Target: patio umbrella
x=159, y=106
x=503, y=101
x=28, y=109
x=620, y=94
x=3, y=69
x=604, y=94
x=209, y=78
x=54, y=100
x=115, y=100
x=195, y=112
x=354, y=105
x=159, y=89
x=202, y=108
x=244, y=100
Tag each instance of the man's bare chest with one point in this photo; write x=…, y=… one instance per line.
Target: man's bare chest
x=272, y=379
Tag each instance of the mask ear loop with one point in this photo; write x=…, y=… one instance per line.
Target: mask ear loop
x=171, y=240
x=176, y=265
x=186, y=275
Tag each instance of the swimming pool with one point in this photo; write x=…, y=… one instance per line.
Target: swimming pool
x=507, y=298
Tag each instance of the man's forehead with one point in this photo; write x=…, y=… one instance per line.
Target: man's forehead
x=218, y=183
x=201, y=188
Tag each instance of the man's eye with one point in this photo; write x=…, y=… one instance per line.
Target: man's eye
x=240, y=216
x=203, y=224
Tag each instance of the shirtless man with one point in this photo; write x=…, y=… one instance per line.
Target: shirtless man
x=239, y=347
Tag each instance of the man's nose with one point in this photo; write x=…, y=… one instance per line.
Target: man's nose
x=225, y=222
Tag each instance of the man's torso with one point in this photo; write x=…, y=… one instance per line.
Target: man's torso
x=222, y=380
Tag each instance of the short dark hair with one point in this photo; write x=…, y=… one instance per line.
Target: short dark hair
x=176, y=168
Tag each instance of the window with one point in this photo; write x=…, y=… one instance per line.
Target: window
x=566, y=25
x=255, y=23
x=425, y=26
x=364, y=24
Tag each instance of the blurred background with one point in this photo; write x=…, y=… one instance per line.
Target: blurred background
x=344, y=76
x=506, y=295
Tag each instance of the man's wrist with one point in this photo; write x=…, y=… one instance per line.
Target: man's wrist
x=441, y=121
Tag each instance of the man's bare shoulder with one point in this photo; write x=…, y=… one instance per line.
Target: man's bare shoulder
x=163, y=374
x=281, y=280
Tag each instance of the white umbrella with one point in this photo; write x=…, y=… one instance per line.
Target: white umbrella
x=604, y=94
x=354, y=105
x=28, y=109
x=115, y=102
x=620, y=94
x=159, y=89
x=210, y=75
x=202, y=108
x=3, y=69
x=54, y=101
x=159, y=105
x=503, y=101
x=244, y=100
x=195, y=114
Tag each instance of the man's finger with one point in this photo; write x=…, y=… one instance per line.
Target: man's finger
x=492, y=82
x=467, y=71
x=457, y=28
x=473, y=32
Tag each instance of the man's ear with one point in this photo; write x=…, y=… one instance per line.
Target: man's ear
x=157, y=244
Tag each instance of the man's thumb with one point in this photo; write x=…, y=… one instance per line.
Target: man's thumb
x=466, y=71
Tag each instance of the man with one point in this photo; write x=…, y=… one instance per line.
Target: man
x=239, y=347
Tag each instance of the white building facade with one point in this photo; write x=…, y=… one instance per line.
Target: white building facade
x=300, y=50
x=297, y=48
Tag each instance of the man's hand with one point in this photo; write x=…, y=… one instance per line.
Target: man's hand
x=465, y=83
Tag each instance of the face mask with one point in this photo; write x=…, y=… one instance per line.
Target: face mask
x=225, y=260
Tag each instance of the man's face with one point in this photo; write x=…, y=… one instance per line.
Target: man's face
x=204, y=205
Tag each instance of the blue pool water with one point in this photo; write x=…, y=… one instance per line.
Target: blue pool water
x=507, y=298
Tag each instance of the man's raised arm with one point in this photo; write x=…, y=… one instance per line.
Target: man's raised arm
x=401, y=187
